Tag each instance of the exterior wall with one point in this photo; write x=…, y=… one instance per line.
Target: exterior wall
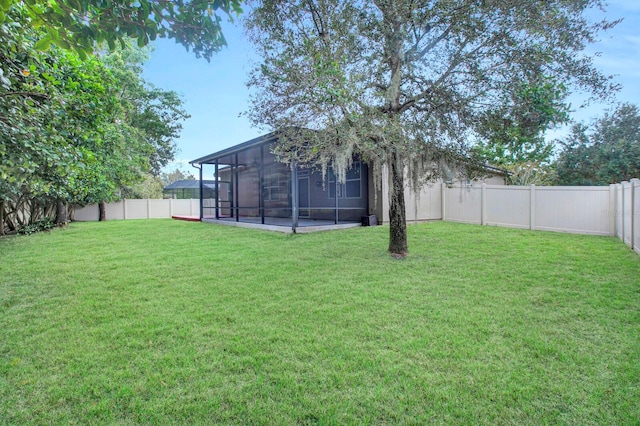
x=493, y=180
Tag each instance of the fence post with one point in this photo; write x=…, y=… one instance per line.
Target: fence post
x=633, y=212
x=443, y=187
x=622, y=218
x=170, y=207
x=483, y=204
x=124, y=209
x=612, y=209
x=532, y=207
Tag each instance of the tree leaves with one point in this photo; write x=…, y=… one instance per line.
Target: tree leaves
x=80, y=24
x=77, y=129
x=606, y=152
x=43, y=44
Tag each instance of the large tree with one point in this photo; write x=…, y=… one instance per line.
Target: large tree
x=405, y=83
x=72, y=127
x=75, y=130
x=605, y=152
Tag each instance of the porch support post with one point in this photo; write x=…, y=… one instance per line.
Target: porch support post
x=261, y=184
x=335, y=178
x=294, y=196
x=237, y=191
x=201, y=196
x=217, y=201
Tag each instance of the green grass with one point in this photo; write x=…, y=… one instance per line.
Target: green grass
x=161, y=322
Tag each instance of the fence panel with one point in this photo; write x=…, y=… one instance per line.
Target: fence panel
x=582, y=210
x=140, y=209
x=463, y=204
x=585, y=210
x=182, y=207
x=114, y=210
x=425, y=205
x=508, y=206
x=136, y=209
x=88, y=213
x=159, y=209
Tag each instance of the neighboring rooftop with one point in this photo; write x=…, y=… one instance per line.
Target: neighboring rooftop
x=190, y=184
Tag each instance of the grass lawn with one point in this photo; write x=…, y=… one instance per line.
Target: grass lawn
x=161, y=322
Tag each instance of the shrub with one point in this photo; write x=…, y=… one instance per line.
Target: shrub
x=44, y=224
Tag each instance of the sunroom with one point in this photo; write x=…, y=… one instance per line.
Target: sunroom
x=254, y=189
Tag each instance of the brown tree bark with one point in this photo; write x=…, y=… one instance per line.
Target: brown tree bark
x=2, y=217
x=62, y=216
x=397, y=212
x=103, y=211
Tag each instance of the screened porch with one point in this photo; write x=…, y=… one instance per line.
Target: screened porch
x=254, y=188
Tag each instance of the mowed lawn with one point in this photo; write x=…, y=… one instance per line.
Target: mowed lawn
x=168, y=322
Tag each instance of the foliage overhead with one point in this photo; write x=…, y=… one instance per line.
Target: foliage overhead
x=605, y=152
x=406, y=84
x=80, y=24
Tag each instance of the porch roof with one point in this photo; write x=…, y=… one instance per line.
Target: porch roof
x=260, y=140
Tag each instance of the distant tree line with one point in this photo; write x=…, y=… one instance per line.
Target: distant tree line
x=604, y=152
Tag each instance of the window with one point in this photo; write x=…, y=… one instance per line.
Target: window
x=276, y=184
x=352, y=187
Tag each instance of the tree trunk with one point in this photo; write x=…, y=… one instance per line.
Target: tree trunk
x=62, y=216
x=397, y=212
x=103, y=211
x=1, y=217
x=9, y=219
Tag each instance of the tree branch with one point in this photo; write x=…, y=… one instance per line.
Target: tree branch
x=26, y=94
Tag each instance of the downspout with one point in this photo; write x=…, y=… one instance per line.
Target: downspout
x=199, y=167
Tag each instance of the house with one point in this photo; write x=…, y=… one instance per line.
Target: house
x=254, y=188
x=189, y=188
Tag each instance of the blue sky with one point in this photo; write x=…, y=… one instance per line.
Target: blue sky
x=215, y=93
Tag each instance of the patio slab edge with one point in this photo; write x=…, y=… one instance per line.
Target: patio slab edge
x=283, y=229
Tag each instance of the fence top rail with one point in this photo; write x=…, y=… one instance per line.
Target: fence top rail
x=574, y=188
x=538, y=188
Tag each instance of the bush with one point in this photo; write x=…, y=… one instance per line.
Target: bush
x=44, y=224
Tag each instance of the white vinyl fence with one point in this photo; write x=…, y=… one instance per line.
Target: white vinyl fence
x=140, y=209
x=598, y=210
